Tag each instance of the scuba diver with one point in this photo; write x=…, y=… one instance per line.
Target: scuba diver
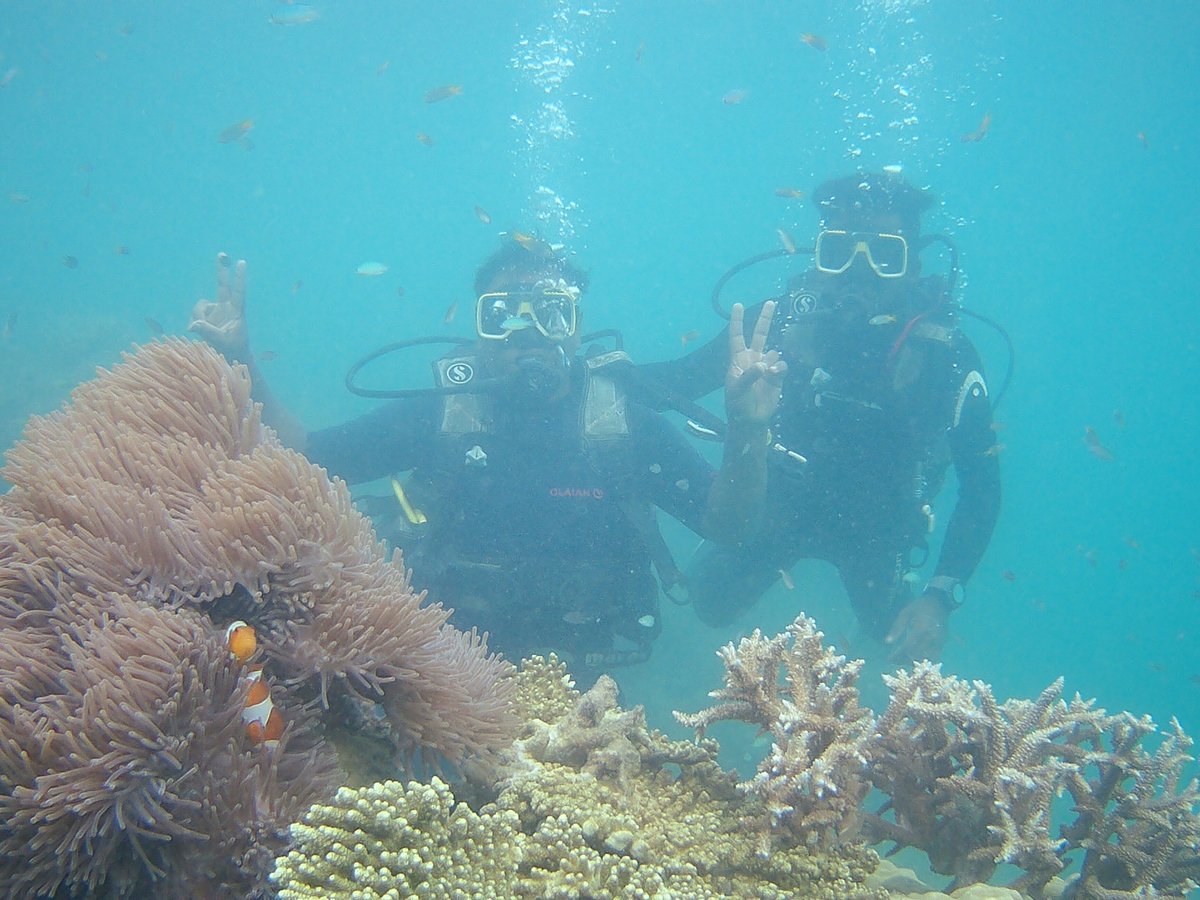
x=883, y=393
x=529, y=508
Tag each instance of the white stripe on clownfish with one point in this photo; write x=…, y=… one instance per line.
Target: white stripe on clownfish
x=264, y=723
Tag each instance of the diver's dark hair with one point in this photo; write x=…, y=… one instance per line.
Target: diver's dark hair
x=873, y=193
x=532, y=257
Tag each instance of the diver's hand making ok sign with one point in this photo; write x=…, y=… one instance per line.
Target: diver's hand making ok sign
x=755, y=377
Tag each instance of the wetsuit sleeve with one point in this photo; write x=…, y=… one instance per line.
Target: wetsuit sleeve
x=393, y=438
x=663, y=468
x=697, y=374
x=978, y=468
x=691, y=377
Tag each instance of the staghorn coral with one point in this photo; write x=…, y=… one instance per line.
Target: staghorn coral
x=967, y=779
x=142, y=518
x=590, y=803
x=814, y=779
x=1137, y=817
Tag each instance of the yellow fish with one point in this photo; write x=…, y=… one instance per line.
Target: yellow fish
x=884, y=319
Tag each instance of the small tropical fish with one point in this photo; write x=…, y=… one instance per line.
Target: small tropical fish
x=445, y=92
x=1143, y=140
x=383, y=67
x=451, y=312
x=295, y=14
x=1009, y=575
x=371, y=269
x=786, y=577
x=647, y=621
x=18, y=197
x=121, y=250
x=637, y=54
x=734, y=97
x=399, y=291
x=482, y=215
x=1097, y=449
x=296, y=285
x=267, y=356
x=973, y=137
x=789, y=193
x=264, y=723
x=7, y=78
x=532, y=244
x=127, y=29
x=1132, y=543
x=70, y=262
x=235, y=132
x=688, y=336
x=9, y=324
x=155, y=326
x=995, y=450
x=893, y=169
x=424, y=139
x=815, y=41
x=241, y=640
x=1122, y=564
x=1118, y=418
x=882, y=319
x=785, y=239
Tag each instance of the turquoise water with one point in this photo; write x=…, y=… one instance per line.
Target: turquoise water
x=1075, y=218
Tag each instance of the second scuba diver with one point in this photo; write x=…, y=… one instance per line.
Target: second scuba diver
x=883, y=393
x=529, y=509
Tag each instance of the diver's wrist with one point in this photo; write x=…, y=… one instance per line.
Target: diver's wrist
x=749, y=432
x=947, y=589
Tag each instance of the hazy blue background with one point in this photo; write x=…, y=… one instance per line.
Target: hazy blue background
x=1075, y=233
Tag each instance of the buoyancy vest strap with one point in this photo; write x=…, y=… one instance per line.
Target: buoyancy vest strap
x=461, y=413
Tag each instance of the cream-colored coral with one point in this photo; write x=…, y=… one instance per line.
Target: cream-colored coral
x=389, y=840
x=590, y=803
x=813, y=781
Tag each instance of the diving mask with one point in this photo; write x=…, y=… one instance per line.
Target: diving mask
x=886, y=254
x=553, y=312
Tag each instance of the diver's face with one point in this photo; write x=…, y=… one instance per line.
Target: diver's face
x=527, y=354
x=865, y=250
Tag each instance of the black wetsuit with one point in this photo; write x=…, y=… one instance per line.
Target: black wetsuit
x=879, y=406
x=547, y=545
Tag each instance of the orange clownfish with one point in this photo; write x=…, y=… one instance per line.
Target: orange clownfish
x=264, y=723
x=241, y=640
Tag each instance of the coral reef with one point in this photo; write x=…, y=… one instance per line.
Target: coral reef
x=144, y=517
x=804, y=694
x=1137, y=817
x=967, y=779
x=587, y=802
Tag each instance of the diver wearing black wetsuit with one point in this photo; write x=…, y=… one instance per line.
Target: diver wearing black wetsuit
x=536, y=529
x=883, y=393
x=530, y=508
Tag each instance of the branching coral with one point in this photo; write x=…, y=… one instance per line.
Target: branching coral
x=814, y=779
x=143, y=518
x=590, y=803
x=1137, y=817
x=968, y=780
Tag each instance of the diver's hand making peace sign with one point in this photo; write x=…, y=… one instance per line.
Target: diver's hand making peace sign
x=222, y=323
x=755, y=377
